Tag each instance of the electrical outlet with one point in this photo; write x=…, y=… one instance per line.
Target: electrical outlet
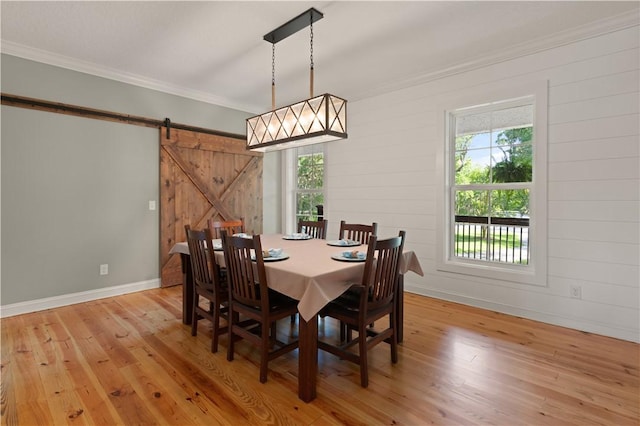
x=575, y=291
x=152, y=204
x=104, y=269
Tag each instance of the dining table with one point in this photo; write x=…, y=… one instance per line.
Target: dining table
x=312, y=271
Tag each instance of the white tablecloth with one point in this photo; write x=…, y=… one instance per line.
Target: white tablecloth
x=310, y=275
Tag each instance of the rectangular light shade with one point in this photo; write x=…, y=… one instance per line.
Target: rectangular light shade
x=319, y=119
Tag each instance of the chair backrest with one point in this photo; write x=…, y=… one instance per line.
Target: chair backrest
x=315, y=229
x=381, y=271
x=231, y=226
x=206, y=272
x=247, y=278
x=357, y=232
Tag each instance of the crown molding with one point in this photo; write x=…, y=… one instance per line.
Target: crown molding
x=42, y=56
x=584, y=32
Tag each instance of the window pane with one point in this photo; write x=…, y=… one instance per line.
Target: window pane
x=303, y=205
x=307, y=205
x=512, y=203
x=473, y=123
x=512, y=155
x=473, y=166
x=512, y=117
x=473, y=158
x=472, y=203
x=310, y=171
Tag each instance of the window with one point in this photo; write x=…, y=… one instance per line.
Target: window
x=492, y=180
x=310, y=182
x=493, y=216
x=304, y=184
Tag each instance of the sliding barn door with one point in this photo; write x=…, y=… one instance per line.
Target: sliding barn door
x=204, y=176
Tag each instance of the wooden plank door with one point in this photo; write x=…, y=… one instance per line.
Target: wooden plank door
x=204, y=176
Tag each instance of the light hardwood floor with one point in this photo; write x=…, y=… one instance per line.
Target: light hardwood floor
x=130, y=360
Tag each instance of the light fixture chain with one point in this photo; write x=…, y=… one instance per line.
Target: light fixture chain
x=311, y=57
x=311, y=43
x=273, y=77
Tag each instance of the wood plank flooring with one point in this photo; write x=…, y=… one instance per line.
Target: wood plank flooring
x=129, y=360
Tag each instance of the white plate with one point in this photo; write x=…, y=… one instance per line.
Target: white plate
x=283, y=256
x=341, y=258
x=344, y=243
x=217, y=245
x=243, y=235
x=297, y=237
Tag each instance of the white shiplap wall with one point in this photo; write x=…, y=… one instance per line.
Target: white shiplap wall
x=386, y=172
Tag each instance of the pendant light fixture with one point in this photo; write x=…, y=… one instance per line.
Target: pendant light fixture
x=315, y=120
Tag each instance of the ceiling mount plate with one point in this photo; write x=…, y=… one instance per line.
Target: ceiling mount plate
x=293, y=26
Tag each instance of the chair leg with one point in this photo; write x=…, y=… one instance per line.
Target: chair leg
x=272, y=334
x=394, y=338
x=216, y=328
x=194, y=315
x=293, y=319
x=232, y=319
x=364, y=365
x=264, y=351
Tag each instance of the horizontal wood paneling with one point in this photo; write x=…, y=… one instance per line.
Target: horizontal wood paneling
x=596, y=87
x=600, y=107
x=598, y=251
x=601, y=128
x=386, y=172
x=609, y=211
x=607, y=273
x=620, y=232
x=598, y=170
x=595, y=149
x=590, y=190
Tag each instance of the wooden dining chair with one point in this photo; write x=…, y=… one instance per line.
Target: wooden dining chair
x=231, y=226
x=209, y=283
x=317, y=229
x=357, y=231
x=251, y=297
x=368, y=302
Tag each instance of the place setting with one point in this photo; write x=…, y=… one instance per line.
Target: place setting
x=344, y=243
x=350, y=256
x=297, y=236
x=272, y=255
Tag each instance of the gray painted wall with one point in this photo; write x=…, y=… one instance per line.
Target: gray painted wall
x=75, y=191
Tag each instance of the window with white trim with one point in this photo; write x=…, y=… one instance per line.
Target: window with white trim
x=494, y=199
x=304, y=181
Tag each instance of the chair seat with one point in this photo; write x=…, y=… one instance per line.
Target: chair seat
x=348, y=307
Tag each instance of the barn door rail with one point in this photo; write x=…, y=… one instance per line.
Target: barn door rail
x=80, y=111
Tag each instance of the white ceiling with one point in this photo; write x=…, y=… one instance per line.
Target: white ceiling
x=214, y=51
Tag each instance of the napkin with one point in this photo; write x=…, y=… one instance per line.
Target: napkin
x=243, y=235
x=354, y=255
x=272, y=252
x=345, y=242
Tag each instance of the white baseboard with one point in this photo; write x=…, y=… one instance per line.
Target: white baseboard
x=73, y=298
x=591, y=327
